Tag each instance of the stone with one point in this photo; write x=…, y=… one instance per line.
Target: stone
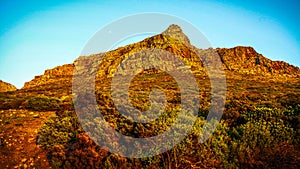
x=24, y=160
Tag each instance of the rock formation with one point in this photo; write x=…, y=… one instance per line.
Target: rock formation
x=59, y=73
x=247, y=60
x=6, y=87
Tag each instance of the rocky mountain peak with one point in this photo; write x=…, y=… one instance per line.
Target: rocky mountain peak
x=176, y=32
x=174, y=29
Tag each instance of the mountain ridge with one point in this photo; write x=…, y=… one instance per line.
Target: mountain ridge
x=250, y=65
x=242, y=59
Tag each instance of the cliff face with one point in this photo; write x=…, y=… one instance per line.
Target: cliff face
x=6, y=87
x=247, y=60
x=59, y=73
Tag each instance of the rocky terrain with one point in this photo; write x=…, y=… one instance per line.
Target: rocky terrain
x=18, y=136
x=247, y=60
x=6, y=87
x=57, y=74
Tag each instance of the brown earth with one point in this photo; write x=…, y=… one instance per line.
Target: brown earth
x=18, y=133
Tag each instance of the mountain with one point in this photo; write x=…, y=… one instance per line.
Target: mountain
x=242, y=65
x=6, y=87
x=238, y=59
x=260, y=123
x=257, y=79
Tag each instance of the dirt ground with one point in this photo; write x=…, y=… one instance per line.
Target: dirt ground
x=18, y=133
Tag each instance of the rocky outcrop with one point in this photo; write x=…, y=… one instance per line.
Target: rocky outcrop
x=247, y=60
x=6, y=87
x=59, y=73
x=176, y=32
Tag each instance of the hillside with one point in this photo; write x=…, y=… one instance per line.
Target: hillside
x=260, y=126
x=59, y=73
x=6, y=87
x=247, y=60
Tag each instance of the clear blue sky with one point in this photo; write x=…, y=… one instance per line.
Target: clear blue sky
x=38, y=35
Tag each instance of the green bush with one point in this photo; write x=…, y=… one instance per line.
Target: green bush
x=42, y=103
x=14, y=103
x=257, y=143
x=59, y=130
x=265, y=139
x=9, y=101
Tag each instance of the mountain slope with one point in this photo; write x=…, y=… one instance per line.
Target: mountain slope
x=247, y=60
x=56, y=74
x=6, y=87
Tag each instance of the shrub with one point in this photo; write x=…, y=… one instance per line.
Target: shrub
x=42, y=103
x=14, y=103
x=10, y=101
x=263, y=140
x=59, y=131
x=83, y=152
x=257, y=143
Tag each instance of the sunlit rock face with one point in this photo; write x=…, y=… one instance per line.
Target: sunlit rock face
x=6, y=87
x=247, y=60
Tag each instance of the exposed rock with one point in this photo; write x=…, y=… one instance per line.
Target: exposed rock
x=36, y=116
x=6, y=87
x=59, y=73
x=247, y=60
x=176, y=32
